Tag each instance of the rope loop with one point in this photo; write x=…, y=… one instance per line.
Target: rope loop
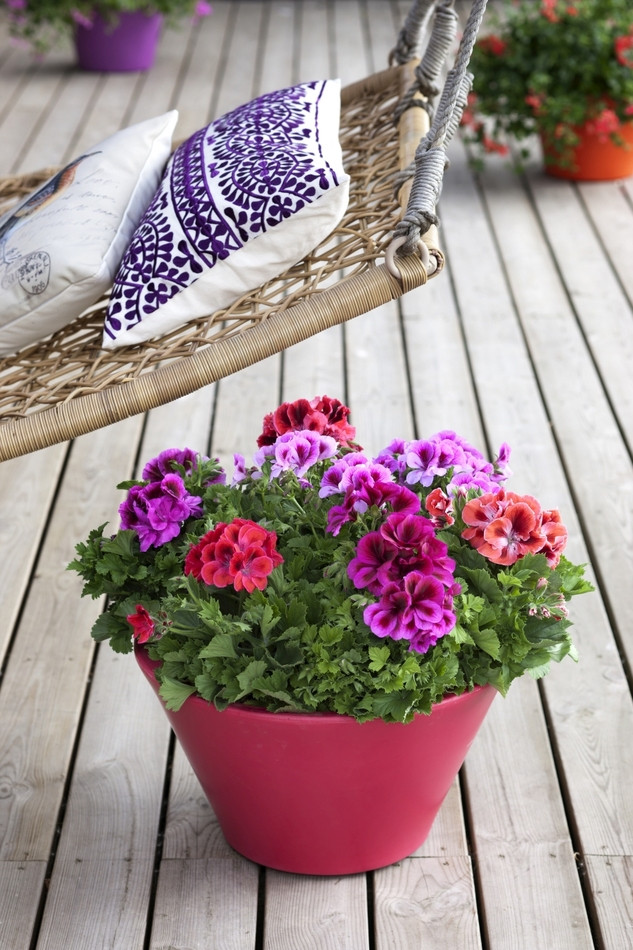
x=430, y=161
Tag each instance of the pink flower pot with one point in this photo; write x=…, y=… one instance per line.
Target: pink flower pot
x=128, y=45
x=321, y=793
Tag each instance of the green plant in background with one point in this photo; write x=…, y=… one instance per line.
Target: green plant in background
x=552, y=66
x=39, y=24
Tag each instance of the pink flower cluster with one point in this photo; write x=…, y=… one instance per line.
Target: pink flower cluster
x=241, y=554
x=296, y=451
x=363, y=484
x=322, y=414
x=505, y=526
x=408, y=569
x=423, y=460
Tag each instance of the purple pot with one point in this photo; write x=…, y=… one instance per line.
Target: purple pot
x=128, y=45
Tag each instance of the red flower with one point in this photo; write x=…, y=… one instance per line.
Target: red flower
x=571, y=11
x=493, y=44
x=629, y=109
x=535, y=101
x=491, y=146
x=241, y=554
x=548, y=10
x=196, y=556
x=555, y=537
x=142, y=624
x=438, y=506
x=604, y=124
x=504, y=527
x=624, y=50
x=323, y=415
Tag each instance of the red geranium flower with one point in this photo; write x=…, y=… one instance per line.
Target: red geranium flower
x=241, y=554
x=142, y=624
x=624, y=50
x=322, y=414
x=493, y=44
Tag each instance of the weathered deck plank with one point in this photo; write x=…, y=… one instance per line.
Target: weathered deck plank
x=527, y=338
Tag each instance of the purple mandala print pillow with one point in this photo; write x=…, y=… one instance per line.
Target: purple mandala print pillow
x=240, y=201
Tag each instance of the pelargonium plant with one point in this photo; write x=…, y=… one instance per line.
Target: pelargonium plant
x=320, y=579
x=39, y=24
x=553, y=66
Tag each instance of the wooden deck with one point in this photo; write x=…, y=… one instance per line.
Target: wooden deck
x=105, y=839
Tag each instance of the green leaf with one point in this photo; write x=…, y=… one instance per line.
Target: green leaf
x=488, y=641
x=289, y=654
x=379, y=656
x=483, y=583
x=174, y=693
x=247, y=677
x=222, y=645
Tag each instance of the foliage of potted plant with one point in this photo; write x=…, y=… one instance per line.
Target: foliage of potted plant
x=109, y=34
x=565, y=70
x=371, y=601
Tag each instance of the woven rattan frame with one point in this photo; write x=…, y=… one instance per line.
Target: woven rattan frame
x=68, y=385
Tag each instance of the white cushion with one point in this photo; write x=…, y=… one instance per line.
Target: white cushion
x=61, y=247
x=240, y=202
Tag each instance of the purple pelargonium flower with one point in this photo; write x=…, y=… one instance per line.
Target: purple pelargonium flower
x=393, y=457
x=366, y=485
x=163, y=464
x=297, y=452
x=407, y=567
x=331, y=481
x=157, y=511
x=427, y=460
x=417, y=610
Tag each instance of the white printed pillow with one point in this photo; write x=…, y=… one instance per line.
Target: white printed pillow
x=240, y=201
x=61, y=247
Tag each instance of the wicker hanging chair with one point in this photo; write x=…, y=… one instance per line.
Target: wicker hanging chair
x=68, y=385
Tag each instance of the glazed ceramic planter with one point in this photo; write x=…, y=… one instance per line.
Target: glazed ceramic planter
x=594, y=158
x=127, y=45
x=321, y=793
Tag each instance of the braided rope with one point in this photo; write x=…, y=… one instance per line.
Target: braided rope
x=427, y=169
x=408, y=42
x=428, y=71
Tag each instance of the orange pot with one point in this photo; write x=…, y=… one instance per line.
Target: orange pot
x=594, y=158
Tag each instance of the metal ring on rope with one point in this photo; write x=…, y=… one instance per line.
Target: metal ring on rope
x=429, y=261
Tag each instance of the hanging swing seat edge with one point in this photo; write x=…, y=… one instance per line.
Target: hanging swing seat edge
x=68, y=385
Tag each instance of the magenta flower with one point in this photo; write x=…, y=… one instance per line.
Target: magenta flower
x=369, y=485
x=299, y=451
x=163, y=464
x=157, y=511
x=331, y=481
x=414, y=610
x=373, y=555
x=407, y=567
